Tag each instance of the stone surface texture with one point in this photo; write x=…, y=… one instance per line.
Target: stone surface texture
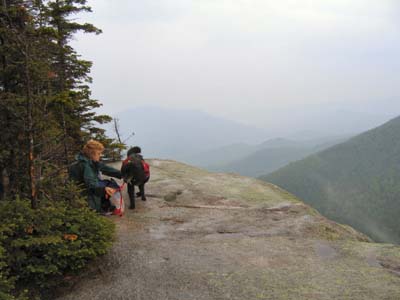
x=204, y=236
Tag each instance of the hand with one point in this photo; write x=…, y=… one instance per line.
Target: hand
x=109, y=191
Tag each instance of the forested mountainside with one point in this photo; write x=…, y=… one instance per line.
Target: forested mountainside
x=356, y=182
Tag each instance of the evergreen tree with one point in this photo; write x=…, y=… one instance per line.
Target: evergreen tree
x=24, y=93
x=45, y=99
x=46, y=115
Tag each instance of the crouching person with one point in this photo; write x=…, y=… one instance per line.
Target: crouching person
x=87, y=170
x=135, y=171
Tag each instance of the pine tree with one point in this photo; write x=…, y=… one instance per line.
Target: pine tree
x=24, y=92
x=45, y=99
x=72, y=99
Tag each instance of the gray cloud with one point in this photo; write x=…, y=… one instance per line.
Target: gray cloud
x=249, y=60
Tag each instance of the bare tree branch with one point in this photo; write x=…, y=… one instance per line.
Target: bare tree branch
x=116, y=129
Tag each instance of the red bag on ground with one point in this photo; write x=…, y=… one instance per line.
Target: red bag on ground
x=118, y=201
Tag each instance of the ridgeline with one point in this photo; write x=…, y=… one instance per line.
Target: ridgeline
x=356, y=182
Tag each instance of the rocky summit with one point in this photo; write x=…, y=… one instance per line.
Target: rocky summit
x=204, y=235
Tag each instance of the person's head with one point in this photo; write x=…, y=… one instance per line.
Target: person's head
x=134, y=150
x=93, y=150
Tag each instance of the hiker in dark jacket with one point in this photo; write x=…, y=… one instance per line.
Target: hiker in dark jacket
x=86, y=171
x=136, y=175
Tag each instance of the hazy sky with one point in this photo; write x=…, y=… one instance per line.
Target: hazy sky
x=254, y=61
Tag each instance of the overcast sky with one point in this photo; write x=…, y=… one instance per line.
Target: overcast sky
x=249, y=60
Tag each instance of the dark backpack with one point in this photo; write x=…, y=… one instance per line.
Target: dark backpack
x=132, y=170
x=75, y=172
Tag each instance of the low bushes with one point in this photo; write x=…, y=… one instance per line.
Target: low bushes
x=40, y=248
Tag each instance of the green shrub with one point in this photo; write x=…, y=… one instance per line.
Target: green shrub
x=39, y=248
x=6, y=282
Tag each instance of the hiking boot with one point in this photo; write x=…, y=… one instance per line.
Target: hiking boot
x=106, y=213
x=138, y=194
x=144, y=198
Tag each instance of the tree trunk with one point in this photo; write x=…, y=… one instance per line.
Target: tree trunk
x=61, y=76
x=64, y=126
x=31, y=139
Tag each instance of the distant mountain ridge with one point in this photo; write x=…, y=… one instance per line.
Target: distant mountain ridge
x=183, y=134
x=177, y=134
x=257, y=160
x=356, y=182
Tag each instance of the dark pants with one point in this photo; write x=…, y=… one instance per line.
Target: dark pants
x=105, y=201
x=132, y=195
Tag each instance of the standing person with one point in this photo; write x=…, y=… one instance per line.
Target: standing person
x=136, y=171
x=86, y=172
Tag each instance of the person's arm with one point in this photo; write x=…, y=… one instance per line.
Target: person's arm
x=91, y=183
x=109, y=171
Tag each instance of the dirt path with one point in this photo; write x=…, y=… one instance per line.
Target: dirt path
x=219, y=236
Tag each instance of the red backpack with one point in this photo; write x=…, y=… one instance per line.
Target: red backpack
x=146, y=168
x=135, y=169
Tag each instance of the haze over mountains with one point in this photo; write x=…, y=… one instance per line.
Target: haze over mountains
x=177, y=134
x=186, y=134
x=271, y=155
x=356, y=182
